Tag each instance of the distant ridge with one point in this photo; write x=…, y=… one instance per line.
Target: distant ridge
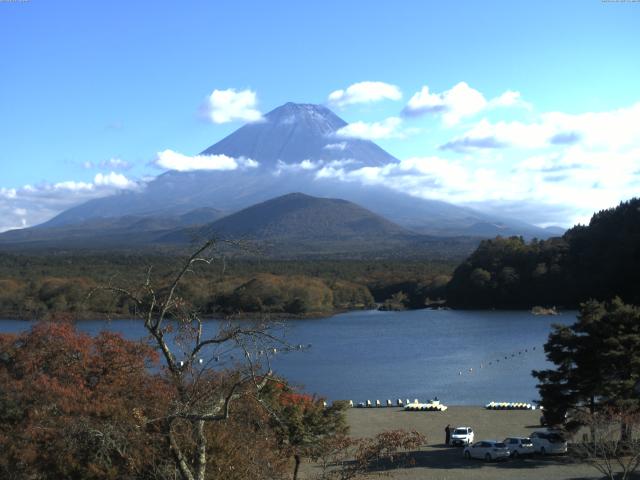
x=294, y=225
x=111, y=232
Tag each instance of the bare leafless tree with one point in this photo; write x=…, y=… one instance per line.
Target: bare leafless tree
x=208, y=370
x=612, y=445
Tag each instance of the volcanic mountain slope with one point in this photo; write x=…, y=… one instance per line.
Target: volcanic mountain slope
x=292, y=144
x=299, y=225
x=300, y=216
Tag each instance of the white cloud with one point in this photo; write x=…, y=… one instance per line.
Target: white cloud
x=388, y=128
x=224, y=106
x=342, y=162
x=248, y=162
x=113, y=179
x=459, y=102
x=509, y=98
x=574, y=163
x=115, y=163
x=562, y=188
x=184, y=163
x=31, y=205
x=8, y=193
x=304, y=165
x=335, y=146
x=5, y=227
x=112, y=163
x=612, y=130
x=102, y=182
x=501, y=134
x=454, y=104
x=615, y=129
x=73, y=186
x=109, y=180
x=310, y=165
x=365, y=92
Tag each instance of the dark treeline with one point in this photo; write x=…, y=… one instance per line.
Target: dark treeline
x=41, y=286
x=600, y=261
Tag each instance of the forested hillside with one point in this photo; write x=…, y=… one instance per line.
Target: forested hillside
x=599, y=261
x=37, y=287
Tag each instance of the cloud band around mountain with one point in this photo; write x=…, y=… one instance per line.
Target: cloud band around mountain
x=388, y=128
x=33, y=204
x=171, y=160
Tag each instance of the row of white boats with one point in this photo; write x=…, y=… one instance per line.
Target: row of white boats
x=510, y=406
x=436, y=406
x=431, y=406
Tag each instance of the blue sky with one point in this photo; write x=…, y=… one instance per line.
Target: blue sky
x=529, y=106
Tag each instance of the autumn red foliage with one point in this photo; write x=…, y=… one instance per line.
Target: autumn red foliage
x=74, y=406
x=292, y=398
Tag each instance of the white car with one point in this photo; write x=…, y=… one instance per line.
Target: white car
x=461, y=436
x=548, y=441
x=487, y=450
x=519, y=446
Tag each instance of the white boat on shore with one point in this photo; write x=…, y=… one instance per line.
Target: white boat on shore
x=433, y=406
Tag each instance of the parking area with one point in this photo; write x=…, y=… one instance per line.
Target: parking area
x=438, y=461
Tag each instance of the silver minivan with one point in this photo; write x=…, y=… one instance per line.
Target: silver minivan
x=519, y=446
x=548, y=441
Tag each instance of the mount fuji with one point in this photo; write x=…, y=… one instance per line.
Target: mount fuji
x=288, y=149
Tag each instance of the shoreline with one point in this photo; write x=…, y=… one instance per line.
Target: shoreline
x=276, y=316
x=92, y=316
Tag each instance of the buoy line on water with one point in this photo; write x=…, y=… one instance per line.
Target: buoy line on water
x=500, y=359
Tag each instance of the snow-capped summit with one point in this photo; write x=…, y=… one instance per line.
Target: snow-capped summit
x=295, y=132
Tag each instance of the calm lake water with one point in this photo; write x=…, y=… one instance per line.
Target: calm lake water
x=462, y=357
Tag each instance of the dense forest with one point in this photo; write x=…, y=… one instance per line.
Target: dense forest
x=42, y=286
x=599, y=261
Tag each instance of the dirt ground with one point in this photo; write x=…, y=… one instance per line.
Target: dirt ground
x=436, y=461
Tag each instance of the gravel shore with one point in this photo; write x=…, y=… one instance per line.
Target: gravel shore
x=437, y=461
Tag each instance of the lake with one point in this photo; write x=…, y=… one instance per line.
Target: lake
x=462, y=357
